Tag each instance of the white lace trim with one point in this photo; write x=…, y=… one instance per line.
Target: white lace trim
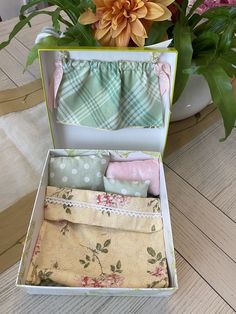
x=101, y=208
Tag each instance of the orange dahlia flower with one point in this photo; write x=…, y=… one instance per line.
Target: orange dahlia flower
x=116, y=22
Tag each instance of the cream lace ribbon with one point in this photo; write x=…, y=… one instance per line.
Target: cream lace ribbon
x=101, y=208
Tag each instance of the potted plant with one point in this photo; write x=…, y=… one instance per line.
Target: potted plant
x=203, y=32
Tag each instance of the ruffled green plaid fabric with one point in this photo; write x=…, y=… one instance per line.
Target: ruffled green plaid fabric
x=109, y=95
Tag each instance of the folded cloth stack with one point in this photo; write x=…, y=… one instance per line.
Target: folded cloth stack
x=96, y=172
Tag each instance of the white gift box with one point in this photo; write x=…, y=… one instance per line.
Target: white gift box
x=128, y=144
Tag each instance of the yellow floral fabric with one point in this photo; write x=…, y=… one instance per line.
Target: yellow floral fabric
x=98, y=239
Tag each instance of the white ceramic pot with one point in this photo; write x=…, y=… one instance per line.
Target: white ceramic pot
x=195, y=97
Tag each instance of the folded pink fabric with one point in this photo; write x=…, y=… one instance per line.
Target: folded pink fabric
x=163, y=71
x=54, y=85
x=145, y=170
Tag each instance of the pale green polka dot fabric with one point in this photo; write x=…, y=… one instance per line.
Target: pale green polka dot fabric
x=82, y=172
x=124, y=187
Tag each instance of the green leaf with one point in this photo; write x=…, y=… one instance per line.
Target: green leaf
x=70, y=197
x=192, y=70
x=113, y=268
x=217, y=20
x=104, y=250
x=98, y=246
x=67, y=6
x=86, y=4
x=206, y=42
x=196, y=4
x=157, y=32
x=234, y=42
x=153, y=228
x=151, y=251
x=227, y=66
x=154, y=283
x=151, y=261
x=222, y=11
x=183, y=44
x=210, y=26
x=107, y=243
x=184, y=6
x=182, y=10
x=226, y=38
x=118, y=265
x=29, y=5
x=40, y=274
x=82, y=261
x=68, y=211
x=159, y=256
x=55, y=19
x=86, y=265
x=194, y=20
x=46, y=42
x=222, y=94
x=67, y=41
x=230, y=56
x=18, y=27
x=82, y=34
x=87, y=258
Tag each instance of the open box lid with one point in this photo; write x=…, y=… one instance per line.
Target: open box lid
x=72, y=136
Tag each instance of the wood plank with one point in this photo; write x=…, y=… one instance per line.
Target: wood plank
x=221, y=230
x=19, y=52
x=210, y=167
x=16, y=93
x=193, y=296
x=184, y=131
x=27, y=36
x=11, y=256
x=205, y=257
x=14, y=221
x=5, y=81
x=21, y=98
x=7, y=26
x=180, y=151
x=14, y=69
x=21, y=103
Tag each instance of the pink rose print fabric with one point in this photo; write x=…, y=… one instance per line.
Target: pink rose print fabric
x=99, y=240
x=144, y=170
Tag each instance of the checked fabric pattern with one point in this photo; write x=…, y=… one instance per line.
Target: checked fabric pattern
x=109, y=95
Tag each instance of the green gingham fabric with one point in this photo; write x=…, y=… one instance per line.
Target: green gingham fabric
x=109, y=95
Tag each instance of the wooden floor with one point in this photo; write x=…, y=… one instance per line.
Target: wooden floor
x=201, y=182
